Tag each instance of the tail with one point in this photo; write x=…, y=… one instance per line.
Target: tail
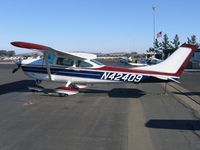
x=176, y=63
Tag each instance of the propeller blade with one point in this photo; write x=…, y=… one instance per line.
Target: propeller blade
x=18, y=63
x=14, y=70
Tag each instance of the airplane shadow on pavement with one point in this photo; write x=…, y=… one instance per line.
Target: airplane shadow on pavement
x=18, y=86
x=22, y=86
x=174, y=124
x=117, y=92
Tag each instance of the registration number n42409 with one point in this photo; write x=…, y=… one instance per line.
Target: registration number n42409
x=121, y=77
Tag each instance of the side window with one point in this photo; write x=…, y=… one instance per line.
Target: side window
x=51, y=58
x=80, y=63
x=65, y=61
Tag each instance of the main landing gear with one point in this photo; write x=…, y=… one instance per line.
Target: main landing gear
x=62, y=91
x=68, y=89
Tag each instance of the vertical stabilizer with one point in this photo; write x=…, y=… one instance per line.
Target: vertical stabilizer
x=176, y=63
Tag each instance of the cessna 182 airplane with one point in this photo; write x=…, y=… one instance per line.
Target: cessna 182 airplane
x=77, y=70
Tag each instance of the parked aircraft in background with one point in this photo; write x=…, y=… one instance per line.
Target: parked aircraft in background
x=123, y=59
x=145, y=62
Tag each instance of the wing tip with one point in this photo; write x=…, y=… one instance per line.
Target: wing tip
x=29, y=45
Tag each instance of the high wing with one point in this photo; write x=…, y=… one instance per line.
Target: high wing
x=50, y=54
x=45, y=49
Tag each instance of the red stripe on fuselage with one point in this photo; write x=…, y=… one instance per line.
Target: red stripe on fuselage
x=147, y=72
x=125, y=70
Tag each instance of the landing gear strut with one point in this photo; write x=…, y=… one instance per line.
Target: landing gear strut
x=165, y=89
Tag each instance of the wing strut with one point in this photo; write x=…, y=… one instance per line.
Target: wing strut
x=48, y=66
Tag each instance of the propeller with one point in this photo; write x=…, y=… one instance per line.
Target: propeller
x=18, y=63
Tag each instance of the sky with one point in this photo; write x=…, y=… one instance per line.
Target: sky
x=96, y=25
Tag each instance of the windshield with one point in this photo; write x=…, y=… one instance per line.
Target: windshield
x=97, y=62
x=81, y=63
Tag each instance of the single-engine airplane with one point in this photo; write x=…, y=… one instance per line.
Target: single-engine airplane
x=77, y=70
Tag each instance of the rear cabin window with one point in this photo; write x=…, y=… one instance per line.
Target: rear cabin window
x=65, y=62
x=81, y=63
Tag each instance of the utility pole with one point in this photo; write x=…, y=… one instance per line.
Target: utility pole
x=154, y=25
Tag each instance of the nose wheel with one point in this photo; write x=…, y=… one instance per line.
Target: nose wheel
x=36, y=87
x=37, y=82
x=62, y=95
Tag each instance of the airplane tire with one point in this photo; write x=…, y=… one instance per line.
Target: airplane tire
x=38, y=81
x=62, y=95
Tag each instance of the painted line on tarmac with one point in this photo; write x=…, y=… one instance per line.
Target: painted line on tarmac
x=138, y=136
x=6, y=62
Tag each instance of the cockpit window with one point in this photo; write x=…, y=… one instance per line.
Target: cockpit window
x=80, y=63
x=65, y=62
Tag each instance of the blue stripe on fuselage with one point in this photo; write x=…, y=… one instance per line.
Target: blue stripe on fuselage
x=65, y=72
x=82, y=73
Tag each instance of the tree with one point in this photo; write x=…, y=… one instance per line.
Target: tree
x=157, y=45
x=10, y=53
x=192, y=40
x=151, y=49
x=166, y=44
x=175, y=42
